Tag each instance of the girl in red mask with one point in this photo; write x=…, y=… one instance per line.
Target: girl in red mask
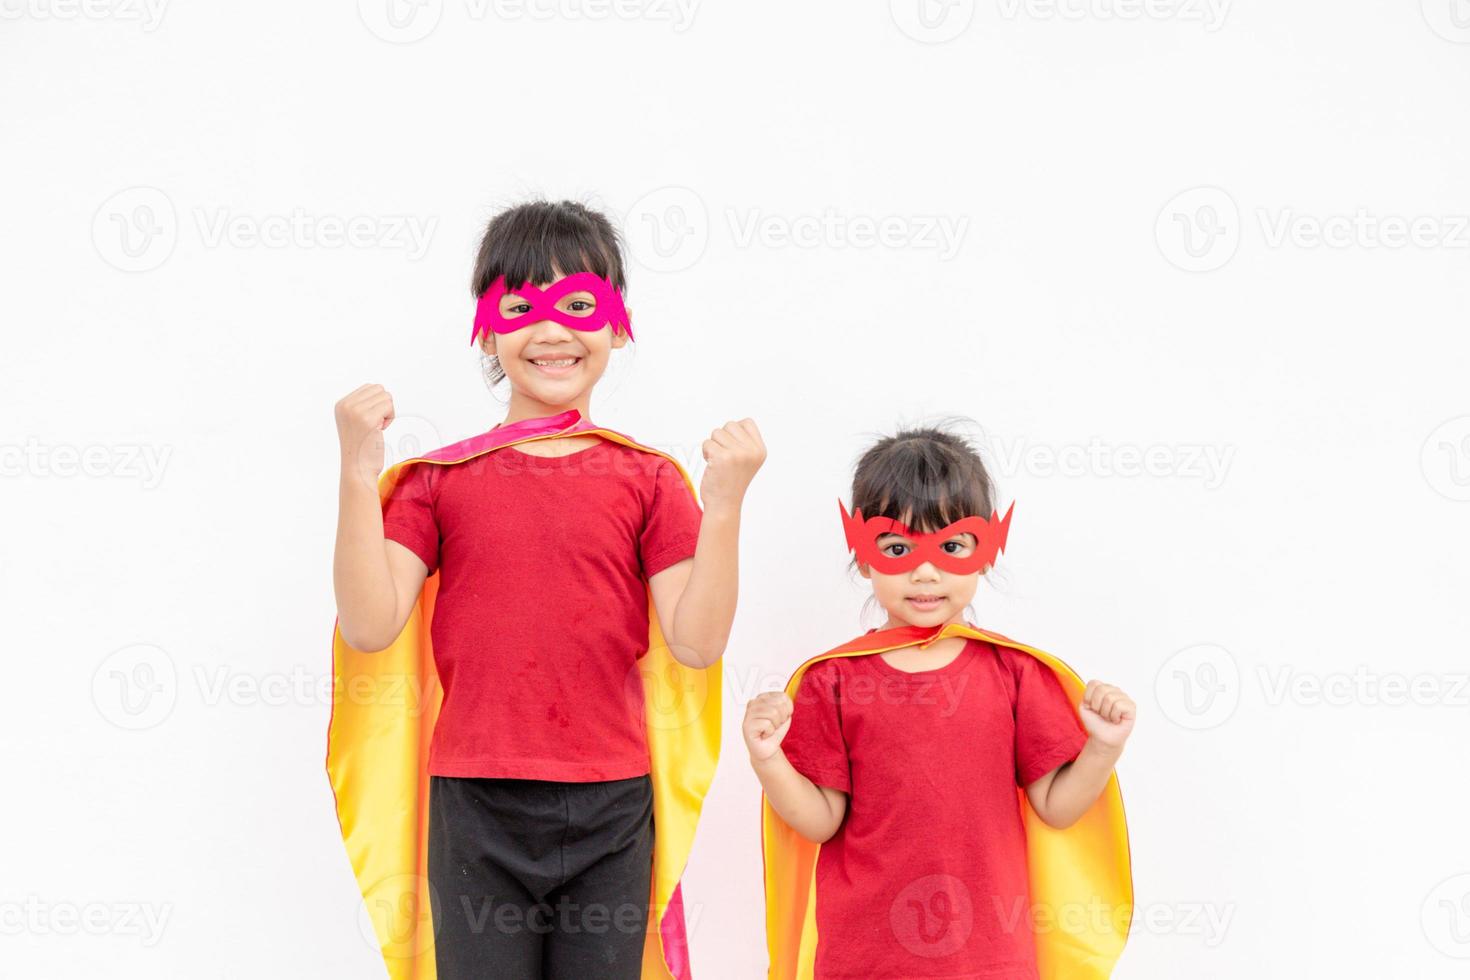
x=950, y=791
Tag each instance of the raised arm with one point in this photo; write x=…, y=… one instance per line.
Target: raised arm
x=815, y=812
x=375, y=580
x=695, y=598
x=1062, y=796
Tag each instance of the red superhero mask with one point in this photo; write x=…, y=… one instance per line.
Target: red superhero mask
x=608, y=308
x=863, y=535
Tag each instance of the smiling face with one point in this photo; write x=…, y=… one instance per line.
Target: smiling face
x=551, y=366
x=925, y=595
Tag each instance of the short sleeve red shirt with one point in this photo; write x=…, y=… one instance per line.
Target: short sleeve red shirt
x=542, y=608
x=927, y=875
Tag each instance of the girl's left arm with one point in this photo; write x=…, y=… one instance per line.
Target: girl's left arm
x=695, y=598
x=1062, y=796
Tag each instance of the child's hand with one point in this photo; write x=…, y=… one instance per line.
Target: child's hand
x=767, y=718
x=361, y=418
x=1107, y=713
x=734, y=452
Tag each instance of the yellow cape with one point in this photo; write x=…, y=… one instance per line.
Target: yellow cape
x=384, y=706
x=1081, y=877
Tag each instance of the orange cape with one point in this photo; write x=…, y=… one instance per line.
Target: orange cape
x=384, y=705
x=1081, y=877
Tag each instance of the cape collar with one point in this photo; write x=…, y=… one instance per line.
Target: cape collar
x=564, y=423
x=876, y=641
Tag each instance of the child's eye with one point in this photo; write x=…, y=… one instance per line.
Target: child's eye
x=888, y=549
x=956, y=546
x=578, y=305
x=520, y=309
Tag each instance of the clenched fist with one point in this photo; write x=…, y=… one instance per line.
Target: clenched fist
x=1107, y=713
x=361, y=418
x=767, y=719
x=733, y=453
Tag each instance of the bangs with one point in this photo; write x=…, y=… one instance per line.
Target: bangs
x=541, y=241
x=924, y=478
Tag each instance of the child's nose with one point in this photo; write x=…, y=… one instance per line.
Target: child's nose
x=550, y=330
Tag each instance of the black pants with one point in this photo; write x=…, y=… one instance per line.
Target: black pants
x=536, y=879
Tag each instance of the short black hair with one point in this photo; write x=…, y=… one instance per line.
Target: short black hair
x=926, y=477
x=531, y=242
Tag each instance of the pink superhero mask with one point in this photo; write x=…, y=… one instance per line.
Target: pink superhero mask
x=862, y=539
x=608, y=308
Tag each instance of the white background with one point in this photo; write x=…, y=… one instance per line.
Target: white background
x=1131, y=194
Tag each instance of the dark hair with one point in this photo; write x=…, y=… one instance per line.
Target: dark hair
x=924, y=477
x=535, y=241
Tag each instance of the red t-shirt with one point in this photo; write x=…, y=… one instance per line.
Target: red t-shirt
x=542, y=608
x=926, y=877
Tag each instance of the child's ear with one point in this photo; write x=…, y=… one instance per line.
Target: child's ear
x=620, y=337
x=487, y=342
x=865, y=570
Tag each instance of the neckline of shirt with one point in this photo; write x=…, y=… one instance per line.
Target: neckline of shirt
x=966, y=654
x=531, y=459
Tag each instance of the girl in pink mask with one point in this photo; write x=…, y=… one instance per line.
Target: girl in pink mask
x=945, y=794
x=552, y=587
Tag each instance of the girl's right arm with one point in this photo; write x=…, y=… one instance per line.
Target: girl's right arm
x=376, y=580
x=815, y=812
